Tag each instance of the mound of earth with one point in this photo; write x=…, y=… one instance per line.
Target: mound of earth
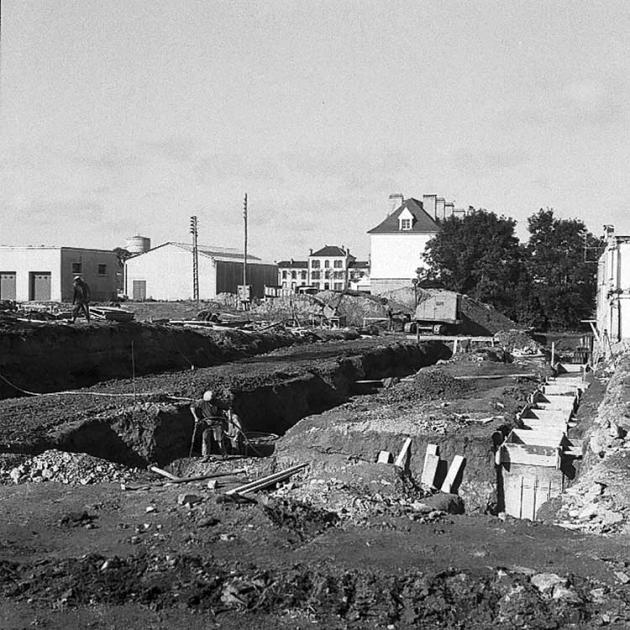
x=477, y=318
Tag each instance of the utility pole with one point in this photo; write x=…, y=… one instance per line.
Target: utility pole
x=195, y=253
x=245, y=241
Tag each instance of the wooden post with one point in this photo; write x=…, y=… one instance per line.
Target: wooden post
x=553, y=353
x=454, y=346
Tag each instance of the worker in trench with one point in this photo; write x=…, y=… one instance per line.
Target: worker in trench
x=81, y=299
x=207, y=414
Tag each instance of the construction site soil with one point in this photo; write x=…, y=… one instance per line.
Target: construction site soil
x=347, y=543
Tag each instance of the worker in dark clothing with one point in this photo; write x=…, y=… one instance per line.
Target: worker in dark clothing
x=206, y=413
x=81, y=299
x=234, y=432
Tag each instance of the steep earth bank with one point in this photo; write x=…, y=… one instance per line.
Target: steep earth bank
x=148, y=419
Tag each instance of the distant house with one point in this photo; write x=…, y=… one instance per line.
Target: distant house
x=165, y=272
x=292, y=274
x=613, y=288
x=398, y=242
x=329, y=268
x=359, y=276
x=45, y=273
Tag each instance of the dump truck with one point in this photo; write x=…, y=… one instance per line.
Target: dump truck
x=438, y=312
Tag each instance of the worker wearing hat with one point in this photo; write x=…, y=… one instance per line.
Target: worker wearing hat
x=206, y=413
x=81, y=299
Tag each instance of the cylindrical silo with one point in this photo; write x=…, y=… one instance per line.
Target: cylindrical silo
x=138, y=244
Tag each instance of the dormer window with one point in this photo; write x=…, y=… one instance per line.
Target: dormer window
x=405, y=220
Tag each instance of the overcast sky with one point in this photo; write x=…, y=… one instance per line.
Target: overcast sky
x=128, y=116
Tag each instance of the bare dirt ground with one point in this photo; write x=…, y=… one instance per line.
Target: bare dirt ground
x=143, y=553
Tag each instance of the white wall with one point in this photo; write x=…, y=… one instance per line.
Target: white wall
x=397, y=255
x=613, y=290
x=24, y=260
x=167, y=271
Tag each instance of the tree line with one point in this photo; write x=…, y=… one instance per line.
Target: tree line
x=548, y=283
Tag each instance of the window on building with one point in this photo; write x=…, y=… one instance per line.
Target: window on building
x=102, y=270
x=405, y=224
x=327, y=263
x=327, y=274
x=316, y=285
x=285, y=274
x=77, y=268
x=338, y=286
x=315, y=264
x=338, y=264
x=294, y=275
x=315, y=275
x=326, y=286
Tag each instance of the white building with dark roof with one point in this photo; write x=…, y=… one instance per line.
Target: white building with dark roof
x=398, y=243
x=165, y=272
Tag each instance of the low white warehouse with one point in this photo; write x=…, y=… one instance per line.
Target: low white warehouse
x=45, y=273
x=165, y=273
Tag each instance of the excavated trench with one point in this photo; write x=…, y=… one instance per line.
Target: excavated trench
x=269, y=396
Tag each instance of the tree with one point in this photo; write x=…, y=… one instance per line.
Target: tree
x=479, y=255
x=563, y=281
x=122, y=255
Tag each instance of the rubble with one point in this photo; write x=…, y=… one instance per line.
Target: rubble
x=68, y=468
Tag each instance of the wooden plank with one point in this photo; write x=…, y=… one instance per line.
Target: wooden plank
x=521, y=456
x=384, y=457
x=269, y=480
x=401, y=460
x=536, y=438
x=451, y=476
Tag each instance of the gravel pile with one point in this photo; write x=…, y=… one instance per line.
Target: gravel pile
x=70, y=468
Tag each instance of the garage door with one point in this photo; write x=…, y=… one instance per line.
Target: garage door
x=40, y=286
x=139, y=290
x=7, y=285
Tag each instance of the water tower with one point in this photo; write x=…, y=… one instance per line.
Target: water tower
x=138, y=244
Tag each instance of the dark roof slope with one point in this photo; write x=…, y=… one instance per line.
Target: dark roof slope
x=330, y=250
x=294, y=264
x=359, y=264
x=422, y=220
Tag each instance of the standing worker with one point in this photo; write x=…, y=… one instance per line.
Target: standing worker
x=234, y=432
x=81, y=299
x=214, y=424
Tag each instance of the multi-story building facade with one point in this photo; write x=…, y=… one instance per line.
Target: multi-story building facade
x=292, y=274
x=329, y=268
